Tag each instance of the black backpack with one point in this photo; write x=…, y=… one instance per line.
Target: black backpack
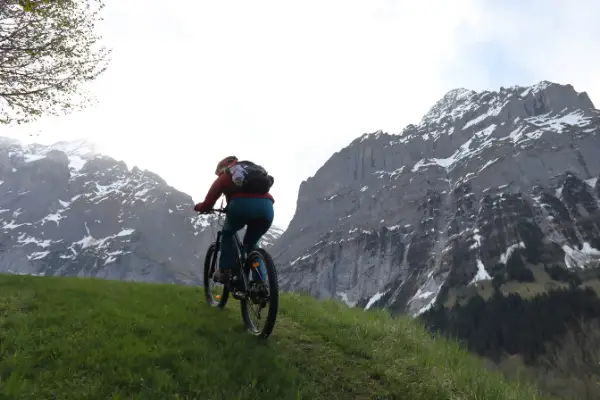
x=249, y=177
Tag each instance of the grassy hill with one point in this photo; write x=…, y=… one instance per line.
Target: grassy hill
x=69, y=338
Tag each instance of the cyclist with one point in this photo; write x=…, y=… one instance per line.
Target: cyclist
x=246, y=189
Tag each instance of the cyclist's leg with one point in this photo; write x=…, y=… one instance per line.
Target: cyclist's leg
x=261, y=215
x=255, y=230
x=228, y=254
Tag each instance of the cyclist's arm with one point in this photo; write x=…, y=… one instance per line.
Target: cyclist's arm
x=215, y=191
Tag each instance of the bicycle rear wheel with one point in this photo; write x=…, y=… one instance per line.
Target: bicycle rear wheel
x=216, y=294
x=261, y=294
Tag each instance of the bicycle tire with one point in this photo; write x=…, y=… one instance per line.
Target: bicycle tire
x=273, y=295
x=210, y=262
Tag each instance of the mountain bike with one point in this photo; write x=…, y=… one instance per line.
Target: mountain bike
x=246, y=283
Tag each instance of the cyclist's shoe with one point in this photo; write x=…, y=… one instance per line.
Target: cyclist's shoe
x=221, y=276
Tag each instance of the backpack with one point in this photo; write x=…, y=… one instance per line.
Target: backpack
x=249, y=177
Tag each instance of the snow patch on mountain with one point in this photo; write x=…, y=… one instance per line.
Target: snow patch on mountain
x=375, y=298
x=506, y=255
x=482, y=273
x=79, y=152
x=581, y=258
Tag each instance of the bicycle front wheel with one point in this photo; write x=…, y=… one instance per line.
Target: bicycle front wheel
x=262, y=293
x=216, y=294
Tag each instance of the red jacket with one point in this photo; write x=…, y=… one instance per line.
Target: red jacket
x=224, y=185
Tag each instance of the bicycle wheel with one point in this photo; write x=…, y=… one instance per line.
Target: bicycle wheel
x=260, y=294
x=216, y=294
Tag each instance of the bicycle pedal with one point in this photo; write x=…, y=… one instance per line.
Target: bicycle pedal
x=239, y=295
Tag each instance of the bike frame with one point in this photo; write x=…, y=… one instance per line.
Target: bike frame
x=241, y=259
x=238, y=245
x=239, y=283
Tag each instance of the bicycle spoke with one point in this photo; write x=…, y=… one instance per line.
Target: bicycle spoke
x=216, y=294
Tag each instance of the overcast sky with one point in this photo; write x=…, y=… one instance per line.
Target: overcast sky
x=288, y=83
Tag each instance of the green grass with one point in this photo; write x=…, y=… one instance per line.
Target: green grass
x=70, y=338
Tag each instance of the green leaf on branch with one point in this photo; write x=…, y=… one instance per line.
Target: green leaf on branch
x=50, y=50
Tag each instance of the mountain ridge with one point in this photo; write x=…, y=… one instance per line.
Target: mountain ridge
x=67, y=209
x=401, y=198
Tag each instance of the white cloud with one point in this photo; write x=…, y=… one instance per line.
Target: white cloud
x=287, y=84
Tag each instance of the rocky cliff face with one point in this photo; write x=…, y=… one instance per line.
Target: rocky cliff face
x=490, y=184
x=66, y=210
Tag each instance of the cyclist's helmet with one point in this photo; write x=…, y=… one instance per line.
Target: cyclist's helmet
x=224, y=164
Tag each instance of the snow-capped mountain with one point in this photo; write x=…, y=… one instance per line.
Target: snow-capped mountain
x=500, y=184
x=67, y=210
